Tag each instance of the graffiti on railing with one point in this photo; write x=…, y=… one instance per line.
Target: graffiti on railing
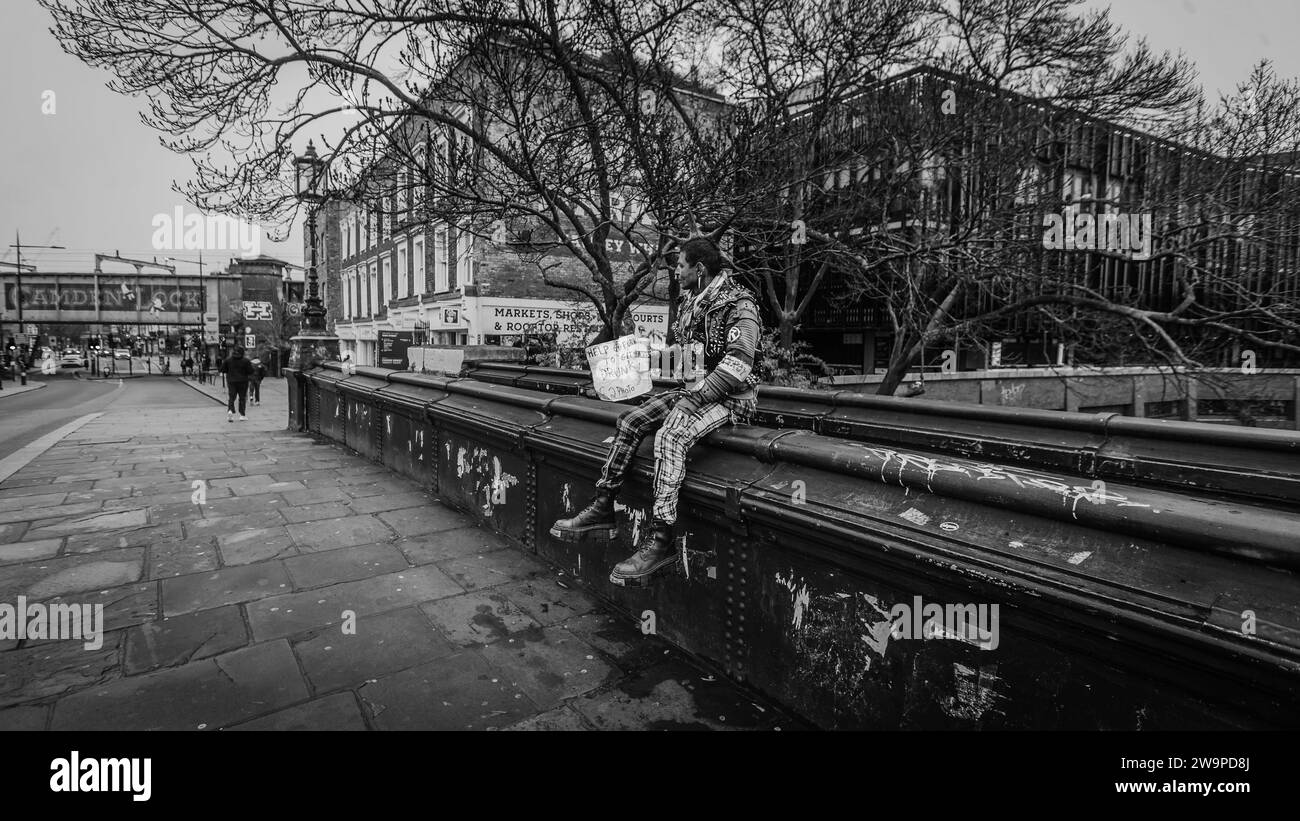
x=490, y=482
x=1071, y=495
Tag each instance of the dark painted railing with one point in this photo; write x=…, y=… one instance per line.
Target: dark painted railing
x=1144, y=572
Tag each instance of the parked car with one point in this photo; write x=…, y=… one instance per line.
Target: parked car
x=121, y=353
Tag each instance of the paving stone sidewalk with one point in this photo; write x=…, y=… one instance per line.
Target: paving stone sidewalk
x=275, y=396
x=238, y=613
x=16, y=389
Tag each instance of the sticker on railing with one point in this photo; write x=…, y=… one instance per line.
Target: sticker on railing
x=914, y=516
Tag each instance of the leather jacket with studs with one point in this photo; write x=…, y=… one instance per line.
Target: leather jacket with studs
x=729, y=327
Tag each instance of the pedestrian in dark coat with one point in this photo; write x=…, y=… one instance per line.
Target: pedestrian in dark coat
x=255, y=382
x=238, y=371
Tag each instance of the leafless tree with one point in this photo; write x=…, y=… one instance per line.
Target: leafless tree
x=795, y=70
x=567, y=125
x=1024, y=116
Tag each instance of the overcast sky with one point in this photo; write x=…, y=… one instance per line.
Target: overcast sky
x=92, y=177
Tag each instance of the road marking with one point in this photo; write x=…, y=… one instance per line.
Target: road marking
x=20, y=458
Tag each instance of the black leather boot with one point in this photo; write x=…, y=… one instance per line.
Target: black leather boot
x=596, y=519
x=655, y=552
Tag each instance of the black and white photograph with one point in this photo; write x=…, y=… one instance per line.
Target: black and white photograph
x=928, y=367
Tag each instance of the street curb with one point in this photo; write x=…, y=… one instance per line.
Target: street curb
x=35, y=386
x=216, y=399
x=20, y=458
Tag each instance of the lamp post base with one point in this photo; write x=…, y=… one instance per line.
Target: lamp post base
x=309, y=350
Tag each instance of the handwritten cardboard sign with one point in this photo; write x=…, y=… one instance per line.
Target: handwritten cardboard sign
x=619, y=369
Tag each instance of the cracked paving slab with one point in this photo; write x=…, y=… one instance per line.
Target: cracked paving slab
x=206, y=694
x=182, y=639
x=50, y=669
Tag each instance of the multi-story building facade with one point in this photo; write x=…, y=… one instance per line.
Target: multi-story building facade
x=447, y=286
x=396, y=268
x=1081, y=168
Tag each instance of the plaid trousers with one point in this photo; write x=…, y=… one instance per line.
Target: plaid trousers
x=678, y=431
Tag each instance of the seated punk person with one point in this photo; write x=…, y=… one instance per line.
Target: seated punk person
x=723, y=315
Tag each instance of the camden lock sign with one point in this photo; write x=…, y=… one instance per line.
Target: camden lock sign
x=111, y=299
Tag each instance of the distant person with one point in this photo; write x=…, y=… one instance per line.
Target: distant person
x=205, y=364
x=238, y=371
x=255, y=383
x=187, y=366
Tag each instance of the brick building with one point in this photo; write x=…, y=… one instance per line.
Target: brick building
x=265, y=304
x=436, y=284
x=485, y=271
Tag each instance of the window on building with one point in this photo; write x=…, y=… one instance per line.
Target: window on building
x=417, y=265
x=440, y=282
x=343, y=232
x=403, y=185
x=374, y=290
x=388, y=277
x=420, y=175
x=465, y=261
x=403, y=273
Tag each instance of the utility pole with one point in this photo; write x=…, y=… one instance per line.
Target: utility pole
x=203, y=303
x=18, y=291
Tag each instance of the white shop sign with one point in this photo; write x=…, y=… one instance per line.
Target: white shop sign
x=566, y=320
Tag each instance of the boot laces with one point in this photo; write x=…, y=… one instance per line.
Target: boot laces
x=649, y=544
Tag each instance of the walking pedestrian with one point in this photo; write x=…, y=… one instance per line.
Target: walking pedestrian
x=238, y=371
x=255, y=382
x=187, y=366
x=205, y=364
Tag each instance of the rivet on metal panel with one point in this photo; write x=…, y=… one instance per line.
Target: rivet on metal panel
x=530, y=514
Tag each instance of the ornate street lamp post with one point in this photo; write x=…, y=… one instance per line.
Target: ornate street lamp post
x=313, y=344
